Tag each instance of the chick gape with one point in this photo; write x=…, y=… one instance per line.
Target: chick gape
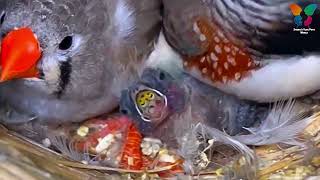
x=151, y=104
x=222, y=60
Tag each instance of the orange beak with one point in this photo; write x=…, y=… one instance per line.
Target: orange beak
x=20, y=52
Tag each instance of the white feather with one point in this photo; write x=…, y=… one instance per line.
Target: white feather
x=189, y=145
x=124, y=18
x=50, y=67
x=282, y=125
x=219, y=136
x=280, y=79
x=67, y=148
x=163, y=56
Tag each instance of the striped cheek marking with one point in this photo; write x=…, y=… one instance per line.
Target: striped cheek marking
x=223, y=60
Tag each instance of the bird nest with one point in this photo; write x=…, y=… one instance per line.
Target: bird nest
x=23, y=159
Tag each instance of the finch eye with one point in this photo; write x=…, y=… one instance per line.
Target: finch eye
x=124, y=111
x=66, y=43
x=162, y=76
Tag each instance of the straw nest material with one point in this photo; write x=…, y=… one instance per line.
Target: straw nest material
x=23, y=159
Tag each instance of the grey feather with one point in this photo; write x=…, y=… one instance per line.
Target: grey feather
x=111, y=38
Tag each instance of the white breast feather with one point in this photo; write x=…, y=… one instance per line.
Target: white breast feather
x=280, y=79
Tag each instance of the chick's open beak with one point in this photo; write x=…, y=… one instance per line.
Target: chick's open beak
x=20, y=52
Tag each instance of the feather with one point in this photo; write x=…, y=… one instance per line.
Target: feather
x=127, y=73
x=170, y=60
x=282, y=125
x=67, y=148
x=190, y=145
